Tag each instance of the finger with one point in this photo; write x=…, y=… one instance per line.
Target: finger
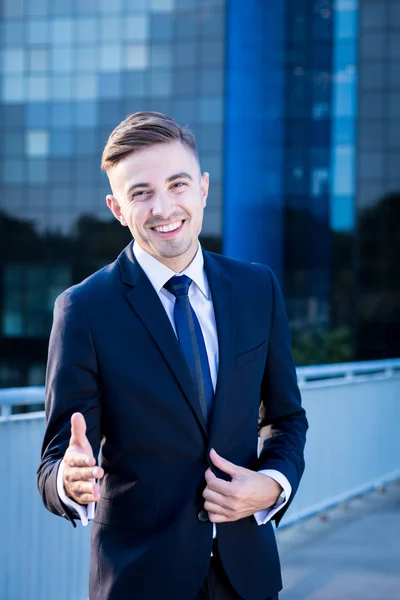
x=223, y=464
x=78, y=430
x=86, y=492
x=76, y=458
x=215, y=508
x=85, y=473
x=216, y=518
x=79, y=488
x=215, y=497
x=86, y=498
x=216, y=484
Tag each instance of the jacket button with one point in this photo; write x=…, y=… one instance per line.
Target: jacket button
x=203, y=516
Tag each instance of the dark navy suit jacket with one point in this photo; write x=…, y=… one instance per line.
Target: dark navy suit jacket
x=114, y=357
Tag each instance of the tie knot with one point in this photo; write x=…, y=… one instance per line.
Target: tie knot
x=178, y=285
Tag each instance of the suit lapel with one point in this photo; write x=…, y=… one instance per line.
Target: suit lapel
x=147, y=305
x=223, y=302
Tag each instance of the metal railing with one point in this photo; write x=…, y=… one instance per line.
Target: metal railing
x=352, y=445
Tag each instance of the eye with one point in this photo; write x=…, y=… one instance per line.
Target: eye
x=141, y=193
x=178, y=184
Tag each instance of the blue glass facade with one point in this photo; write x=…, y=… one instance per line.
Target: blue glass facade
x=295, y=108
x=253, y=219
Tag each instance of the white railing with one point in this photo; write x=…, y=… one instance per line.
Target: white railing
x=353, y=445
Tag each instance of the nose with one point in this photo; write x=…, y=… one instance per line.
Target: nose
x=163, y=205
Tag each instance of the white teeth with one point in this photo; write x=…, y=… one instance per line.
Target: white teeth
x=171, y=227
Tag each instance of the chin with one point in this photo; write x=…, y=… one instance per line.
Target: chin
x=174, y=251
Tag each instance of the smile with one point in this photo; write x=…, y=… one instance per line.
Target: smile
x=167, y=228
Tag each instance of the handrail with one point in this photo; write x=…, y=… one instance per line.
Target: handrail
x=347, y=371
x=26, y=396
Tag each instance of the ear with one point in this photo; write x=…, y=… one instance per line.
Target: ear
x=204, y=184
x=115, y=208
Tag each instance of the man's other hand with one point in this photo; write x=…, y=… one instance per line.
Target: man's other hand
x=247, y=493
x=80, y=470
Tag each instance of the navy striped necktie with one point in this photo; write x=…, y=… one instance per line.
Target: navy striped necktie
x=192, y=342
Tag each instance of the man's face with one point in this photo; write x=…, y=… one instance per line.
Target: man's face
x=160, y=194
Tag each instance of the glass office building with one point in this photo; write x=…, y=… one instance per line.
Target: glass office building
x=295, y=108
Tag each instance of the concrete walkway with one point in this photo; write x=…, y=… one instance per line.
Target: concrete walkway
x=350, y=553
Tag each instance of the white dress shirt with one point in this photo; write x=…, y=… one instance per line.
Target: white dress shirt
x=200, y=299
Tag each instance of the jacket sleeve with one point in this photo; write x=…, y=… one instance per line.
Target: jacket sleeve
x=72, y=385
x=281, y=408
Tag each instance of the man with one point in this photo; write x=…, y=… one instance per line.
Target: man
x=163, y=359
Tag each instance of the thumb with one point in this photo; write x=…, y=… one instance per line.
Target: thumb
x=78, y=431
x=223, y=464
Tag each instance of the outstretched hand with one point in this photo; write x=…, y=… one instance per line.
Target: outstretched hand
x=247, y=493
x=80, y=470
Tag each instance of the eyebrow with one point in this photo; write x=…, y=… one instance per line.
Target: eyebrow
x=181, y=175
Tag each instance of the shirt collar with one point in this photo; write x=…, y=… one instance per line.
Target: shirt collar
x=159, y=274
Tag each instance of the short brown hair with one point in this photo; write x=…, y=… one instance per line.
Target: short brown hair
x=141, y=130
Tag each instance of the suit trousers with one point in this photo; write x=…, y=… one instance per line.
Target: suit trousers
x=216, y=585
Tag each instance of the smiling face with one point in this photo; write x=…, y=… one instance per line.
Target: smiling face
x=160, y=194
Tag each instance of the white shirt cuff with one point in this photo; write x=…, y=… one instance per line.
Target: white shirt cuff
x=263, y=516
x=85, y=514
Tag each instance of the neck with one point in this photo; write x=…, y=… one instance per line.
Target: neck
x=179, y=263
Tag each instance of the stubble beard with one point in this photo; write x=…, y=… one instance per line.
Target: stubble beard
x=175, y=248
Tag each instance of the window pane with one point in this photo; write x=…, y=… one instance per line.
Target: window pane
x=36, y=115
x=37, y=170
x=60, y=173
x=111, y=58
x=110, y=7
x=37, y=143
x=13, y=171
x=61, y=87
x=86, y=114
x=14, y=89
x=61, y=31
x=212, y=52
x=13, y=33
x=211, y=82
x=13, y=8
x=86, y=87
x=86, y=142
x=38, y=88
x=86, y=7
x=13, y=143
x=210, y=110
x=62, y=59
x=110, y=28
x=186, y=25
x=86, y=30
x=136, y=57
x=38, y=60
x=185, y=111
x=162, y=5
x=110, y=85
x=38, y=32
x=136, y=28
x=160, y=56
x=61, y=8
x=372, y=45
x=13, y=61
x=160, y=83
x=61, y=142
x=133, y=84
x=62, y=114
x=160, y=26
x=186, y=82
x=185, y=54
x=37, y=8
